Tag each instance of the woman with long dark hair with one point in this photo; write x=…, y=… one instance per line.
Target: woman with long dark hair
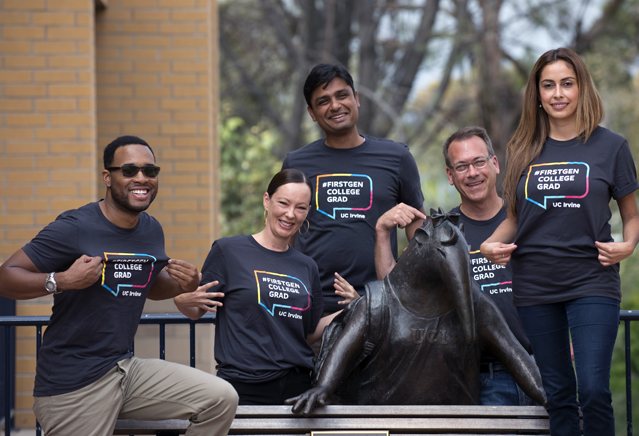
x=563, y=169
x=268, y=299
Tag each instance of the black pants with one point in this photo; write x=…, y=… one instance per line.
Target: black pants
x=274, y=392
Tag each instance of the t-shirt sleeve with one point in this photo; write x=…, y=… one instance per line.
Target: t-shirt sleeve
x=54, y=249
x=285, y=164
x=318, y=300
x=625, y=177
x=410, y=187
x=214, y=268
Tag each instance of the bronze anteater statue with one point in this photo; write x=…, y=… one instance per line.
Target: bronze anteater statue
x=416, y=337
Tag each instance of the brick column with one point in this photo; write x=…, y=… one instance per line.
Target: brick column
x=47, y=137
x=154, y=80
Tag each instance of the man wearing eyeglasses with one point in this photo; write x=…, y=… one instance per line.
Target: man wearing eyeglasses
x=472, y=167
x=101, y=262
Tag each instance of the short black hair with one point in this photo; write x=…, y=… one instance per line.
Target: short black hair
x=109, y=150
x=466, y=133
x=325, y=73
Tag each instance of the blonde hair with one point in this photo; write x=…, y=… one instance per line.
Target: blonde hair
x=534, y=127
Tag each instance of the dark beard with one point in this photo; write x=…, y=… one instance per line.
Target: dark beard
x=123, y=202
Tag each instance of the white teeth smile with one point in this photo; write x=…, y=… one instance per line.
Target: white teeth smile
x=286, y=224
x=139, y=191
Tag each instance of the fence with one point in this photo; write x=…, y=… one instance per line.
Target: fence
x=162, y=320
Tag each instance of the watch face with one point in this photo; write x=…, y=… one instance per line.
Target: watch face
x=50, y=284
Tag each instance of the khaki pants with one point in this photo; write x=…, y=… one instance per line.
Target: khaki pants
x=145, y=389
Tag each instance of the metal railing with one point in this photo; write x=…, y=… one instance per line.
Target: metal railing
x=39, y=321
x=162, y=320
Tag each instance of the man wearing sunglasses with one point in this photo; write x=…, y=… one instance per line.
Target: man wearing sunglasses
x=101, y=262
x=472, y=167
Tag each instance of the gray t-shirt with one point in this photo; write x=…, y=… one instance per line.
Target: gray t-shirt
x=494, y=280
x=91, y=329
x=352, y=188
x=272, y=301
x=563, y=208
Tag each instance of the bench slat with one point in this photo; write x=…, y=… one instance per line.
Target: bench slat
x=399, y=420
x=391, y=424
x=397, y=411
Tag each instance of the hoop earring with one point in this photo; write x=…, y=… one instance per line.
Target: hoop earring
x=265, y=216
x=307, y=228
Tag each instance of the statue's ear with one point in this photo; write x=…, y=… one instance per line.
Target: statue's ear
x=432, y=211
x=427, y=227
x=461, y=227
x=420, y=234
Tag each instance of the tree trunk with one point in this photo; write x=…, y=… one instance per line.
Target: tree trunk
x=498, y=104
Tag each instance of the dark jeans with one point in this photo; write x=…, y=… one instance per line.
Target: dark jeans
x=592, y=322
x=274, y=392
x=500, y=389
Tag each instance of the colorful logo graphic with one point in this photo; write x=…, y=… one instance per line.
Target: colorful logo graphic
x=557, y=180
x=492, y=285
x=281, y=291
x=349, y=193
x=127, y=271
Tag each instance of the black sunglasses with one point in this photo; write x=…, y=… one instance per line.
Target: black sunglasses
x=150, y=171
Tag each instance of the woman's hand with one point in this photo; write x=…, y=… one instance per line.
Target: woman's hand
x=197, y=303
x=344, y=289
x=497, y=252
x=500, y=246
x=611, y=253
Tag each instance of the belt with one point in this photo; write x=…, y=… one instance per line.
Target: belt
x=496, y=367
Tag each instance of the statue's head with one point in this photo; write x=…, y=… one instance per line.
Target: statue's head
x=439, y=254
x=441, y=228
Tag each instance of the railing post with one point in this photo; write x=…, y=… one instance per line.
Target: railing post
x=626, y=325
x=7, y=380
x=38, y=344
x=192, y=343
x=162, y=341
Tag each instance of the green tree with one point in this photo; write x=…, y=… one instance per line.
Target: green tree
x=247, y=165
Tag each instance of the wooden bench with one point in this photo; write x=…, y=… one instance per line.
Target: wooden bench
x=397, y=420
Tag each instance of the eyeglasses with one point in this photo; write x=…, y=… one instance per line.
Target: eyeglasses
x=128, y=171
x=478, y=163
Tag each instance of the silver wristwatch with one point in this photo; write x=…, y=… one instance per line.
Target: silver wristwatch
x=50, y=285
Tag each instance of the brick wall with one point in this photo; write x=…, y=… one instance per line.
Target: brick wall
x=71, y=80
x=154, y=75
x=47, y=114
x=47, y=136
